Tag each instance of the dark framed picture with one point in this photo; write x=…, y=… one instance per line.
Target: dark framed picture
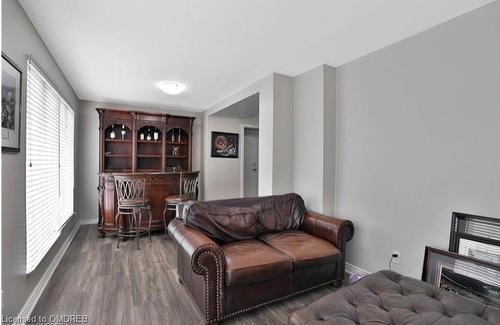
x=463, y=275
x=475, y=236
x=225, y=145
x=11, y=105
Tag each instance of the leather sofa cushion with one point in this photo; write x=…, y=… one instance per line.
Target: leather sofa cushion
x=250, y=261
x=304, y=250
x=386, y=297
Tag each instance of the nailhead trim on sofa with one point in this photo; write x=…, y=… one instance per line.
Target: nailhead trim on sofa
x=244, y=310
x=207, y=250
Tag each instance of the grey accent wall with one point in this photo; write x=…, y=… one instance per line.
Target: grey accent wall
x=418, y=136
x=88, y=144
x=19, y=38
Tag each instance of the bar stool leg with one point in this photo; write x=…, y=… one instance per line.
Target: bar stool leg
x=165, y=219
x=117, y=222
x=136, y=229
x=149, y=226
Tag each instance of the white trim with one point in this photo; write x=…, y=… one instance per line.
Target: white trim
x=42, y=284
x=242, y=155
x=353, y=269
x=90, y=221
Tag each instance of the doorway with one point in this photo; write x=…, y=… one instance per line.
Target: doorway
x=250, y=161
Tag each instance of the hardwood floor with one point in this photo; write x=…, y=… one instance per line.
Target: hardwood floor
x=129, y=286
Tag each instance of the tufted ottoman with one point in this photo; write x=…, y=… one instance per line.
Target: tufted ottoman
x=386, y=297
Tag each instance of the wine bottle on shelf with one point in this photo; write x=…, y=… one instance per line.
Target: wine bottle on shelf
x=173, y=135
x=179, y=138
x=141, y=136
x=123, y=132
x=148, y=137
x=112, y=135
x=156, y=135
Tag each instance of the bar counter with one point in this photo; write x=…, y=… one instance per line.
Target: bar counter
x=158, y=186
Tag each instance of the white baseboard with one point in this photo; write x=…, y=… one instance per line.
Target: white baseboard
x=353, y=269
x=91, y=221
x=42, y=284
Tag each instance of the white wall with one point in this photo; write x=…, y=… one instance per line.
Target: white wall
x=418, y=126
x=222, y=175
x=275, y=148
x=329, y=131
x=19, y=39
x=314, y=138
x=282, y=139
x=210, y=171
x=88, y=144
x=308, y=137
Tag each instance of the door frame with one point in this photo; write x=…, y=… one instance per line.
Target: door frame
x=242, y=156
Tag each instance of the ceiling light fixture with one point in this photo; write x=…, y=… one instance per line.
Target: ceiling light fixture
x=172, y=87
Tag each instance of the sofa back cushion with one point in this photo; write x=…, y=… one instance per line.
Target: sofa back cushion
x=239, y=219
x=280, y=213
x=223, y=224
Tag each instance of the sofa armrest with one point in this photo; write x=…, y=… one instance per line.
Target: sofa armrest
x=201, y=255
x=335, y=230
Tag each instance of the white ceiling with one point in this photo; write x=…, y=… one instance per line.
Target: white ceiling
x=116, y=50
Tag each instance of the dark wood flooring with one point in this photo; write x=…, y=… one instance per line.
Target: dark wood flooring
x=130, y=286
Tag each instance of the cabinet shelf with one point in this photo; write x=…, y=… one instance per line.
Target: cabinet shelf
x=118, y=140
x=178, y=157
x=148, y=156
x=149, y=142
x=117, y=155
x=175, y=142
x=118, y=170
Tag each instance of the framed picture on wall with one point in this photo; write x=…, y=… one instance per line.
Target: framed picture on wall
x=11, y=105
x=463, y=275
x=225, y=145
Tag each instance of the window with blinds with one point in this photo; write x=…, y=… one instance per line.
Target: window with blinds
x=49, y=165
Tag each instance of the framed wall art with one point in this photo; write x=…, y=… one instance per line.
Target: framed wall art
x=11, y=105
x=225, y=145
x=475, y=236
x=463, y=275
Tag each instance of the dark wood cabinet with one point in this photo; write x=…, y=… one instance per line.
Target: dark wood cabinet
x=156, y=145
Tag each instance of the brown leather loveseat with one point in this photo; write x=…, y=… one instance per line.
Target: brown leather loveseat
x=238, y=255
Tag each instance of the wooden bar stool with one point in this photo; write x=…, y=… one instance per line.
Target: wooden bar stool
x=130, y=190
x=188, y=191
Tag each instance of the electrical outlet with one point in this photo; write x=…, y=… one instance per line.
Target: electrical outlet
x=396, y=256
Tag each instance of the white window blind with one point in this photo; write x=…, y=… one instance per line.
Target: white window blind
x=49, y=165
